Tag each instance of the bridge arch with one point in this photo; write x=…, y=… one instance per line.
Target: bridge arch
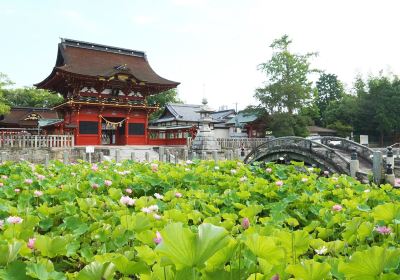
x=300, y=149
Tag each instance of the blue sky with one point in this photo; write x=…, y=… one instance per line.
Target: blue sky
x=212, y=47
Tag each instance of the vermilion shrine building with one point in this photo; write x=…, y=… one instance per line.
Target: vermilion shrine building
x=104, y=90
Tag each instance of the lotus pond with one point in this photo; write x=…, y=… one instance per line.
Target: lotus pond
x=195, y=220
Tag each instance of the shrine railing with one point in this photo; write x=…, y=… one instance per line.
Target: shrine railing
x=36, y=141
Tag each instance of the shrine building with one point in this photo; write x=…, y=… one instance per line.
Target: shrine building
x=105, y=90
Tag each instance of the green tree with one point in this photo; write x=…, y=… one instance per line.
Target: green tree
x=4, y=82
x=287, y=90
x=32, y=97
x=161, y=100
x=329, y=89
x=287, y=87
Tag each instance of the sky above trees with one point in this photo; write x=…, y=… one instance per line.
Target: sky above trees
x=212, y=47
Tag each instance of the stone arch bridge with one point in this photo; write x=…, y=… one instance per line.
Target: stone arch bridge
x=326, y=152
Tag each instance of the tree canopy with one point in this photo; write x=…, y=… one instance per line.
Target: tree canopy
x=161, y=100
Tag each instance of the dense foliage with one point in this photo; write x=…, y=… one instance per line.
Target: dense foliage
x=197, y=220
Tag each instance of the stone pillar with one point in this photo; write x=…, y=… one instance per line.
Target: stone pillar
x=176, y=157
x=389, y=176
x=215, y=156
x=203, y=155
x=193, y=157
x=65, y=157
x=161, y=154
x=46, y=159
x=185, y=154
x=147, y=156
x=117, y=155
x=389, y=156
x=133, y=156
x=377, y=167
x=3, y=156
x=82, y=154
x=354, y=164
x=168, y=155
x=101, y=156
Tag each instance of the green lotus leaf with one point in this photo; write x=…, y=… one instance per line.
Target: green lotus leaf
x=265, y=247
x=310, y=270
x=52, y=247
x=371, y=263
x=386, y=212
x=137, y=223
x=8, y=253
x=251, y=211
x=146, y=254
x=296, y=242
x=222, y=256
x=255, y=276
x=186, y=249
x=15, y=270
x=97, y=271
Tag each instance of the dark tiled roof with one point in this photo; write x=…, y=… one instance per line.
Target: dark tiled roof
x=189, y=113
x=242, y=118
x=318, y=129
x=96, y=60
x=18, y=114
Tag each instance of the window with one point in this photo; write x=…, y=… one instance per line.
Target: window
x=88, y=127
x=136, y=129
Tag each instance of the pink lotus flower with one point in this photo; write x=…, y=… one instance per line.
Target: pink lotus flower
x=157, y=217
x=38, y=193
x=245, y=223
x=146, y=210
x=384, y=230
x=17, y=190
x=108, y=183
x=268, y=170
x=95, y=186
x=337, y=207
x=154, y=167
x=233, y=171
x=95, y=167
x=4, y=177
x=128, y=191
x=31, y=243
x=126, y=200
x=14, y=220
x=178, y=195
x=158, y=196
x=243, y=179
x=279, y=183
x=158, y=238
x=1, y=184
x=326, y=172
x=275, y=277
x=28, y=181
x=153, y=208
x=189, y=162
x=1, y=224
x=41, y=177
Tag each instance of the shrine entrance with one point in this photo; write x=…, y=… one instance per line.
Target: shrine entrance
x=112, y=131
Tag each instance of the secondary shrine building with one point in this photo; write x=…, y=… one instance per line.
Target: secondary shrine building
x=104, y=90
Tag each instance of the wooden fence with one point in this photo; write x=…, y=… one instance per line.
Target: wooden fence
x=36, y=141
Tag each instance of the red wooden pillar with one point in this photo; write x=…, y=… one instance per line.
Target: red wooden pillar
x=146, y=139
x=77, y=129
x=99, y=131
x=126, y=129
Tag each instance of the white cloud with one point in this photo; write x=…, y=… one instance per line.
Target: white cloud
x=144, y=20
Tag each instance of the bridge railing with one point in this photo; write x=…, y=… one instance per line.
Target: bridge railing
x=237, y=143
x=36, y=141
x=316, y=149
x=348, y=145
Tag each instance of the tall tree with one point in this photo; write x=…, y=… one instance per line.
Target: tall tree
x=162, y=99
x=287, y=87
x=4, y=82
x=31, y=97
x=329, y=89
